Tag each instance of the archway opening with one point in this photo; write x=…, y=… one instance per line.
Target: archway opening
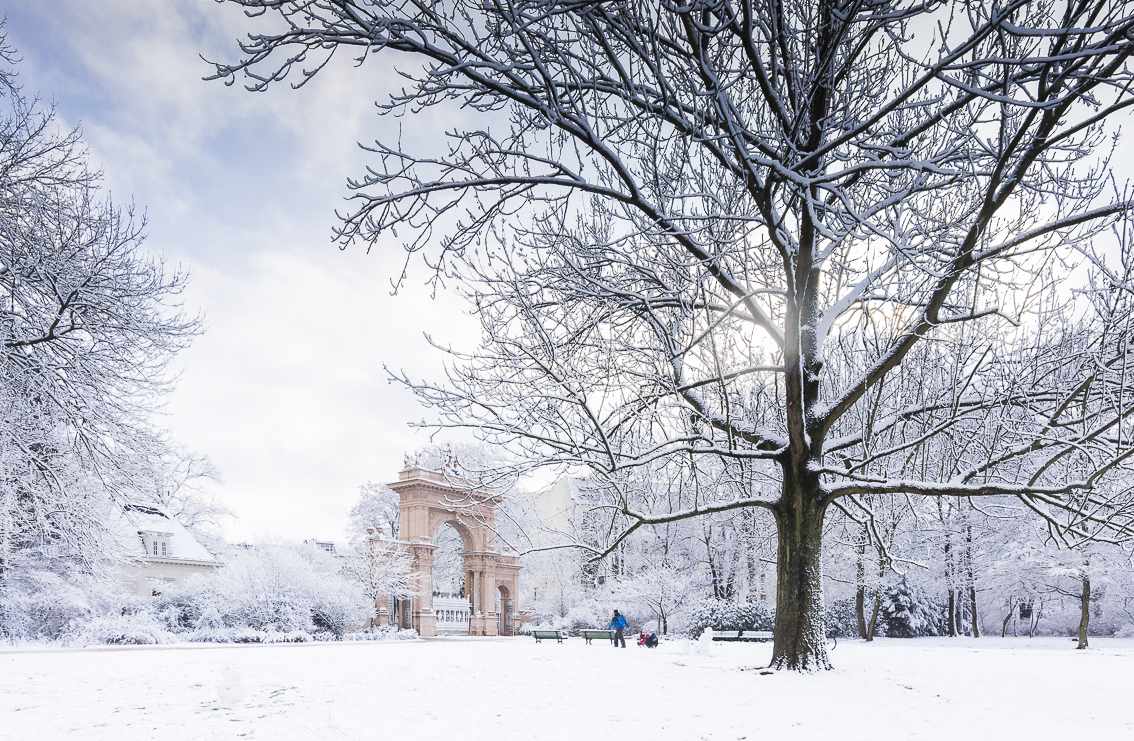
x=450, y=606
x=448, y=576
x=505, y=611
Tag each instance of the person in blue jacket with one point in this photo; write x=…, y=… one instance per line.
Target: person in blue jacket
x=619, y=624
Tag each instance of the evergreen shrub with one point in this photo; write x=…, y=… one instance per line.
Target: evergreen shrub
x=720, y=614
x=910, y=612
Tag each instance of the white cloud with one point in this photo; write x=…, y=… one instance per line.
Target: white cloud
x=286, y=390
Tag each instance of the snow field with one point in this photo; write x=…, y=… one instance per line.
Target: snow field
x=513, y=688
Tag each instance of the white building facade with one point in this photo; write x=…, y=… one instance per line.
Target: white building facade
x=161, y=550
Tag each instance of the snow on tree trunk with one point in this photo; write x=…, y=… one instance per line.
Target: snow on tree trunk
x=860, y=588
x=969, y=574
x=972, y=602
x=800, y=634
x=1085, y=611
x=874, y=615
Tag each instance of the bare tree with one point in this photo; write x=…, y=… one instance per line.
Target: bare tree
x=662, y=589
x=182, y=481
x=88, y=323
x=376, y=507
x=382, y=569
x=679, y=221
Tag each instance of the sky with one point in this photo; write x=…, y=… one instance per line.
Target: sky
x=286, y=391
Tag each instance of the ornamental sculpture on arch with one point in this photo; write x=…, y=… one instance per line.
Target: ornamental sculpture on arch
x=427, y=500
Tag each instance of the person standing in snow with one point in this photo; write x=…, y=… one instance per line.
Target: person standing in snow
x=619, y=624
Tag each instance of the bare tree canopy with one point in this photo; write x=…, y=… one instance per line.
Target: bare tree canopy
x=787, y=255
x=88, y=324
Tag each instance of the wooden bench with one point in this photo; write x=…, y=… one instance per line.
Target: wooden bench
x=742, y=635
x=590, y=634
x=551, y=635
x=726, y=635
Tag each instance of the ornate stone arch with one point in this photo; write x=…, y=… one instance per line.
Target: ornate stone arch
x=426, y=501
x=438, y=518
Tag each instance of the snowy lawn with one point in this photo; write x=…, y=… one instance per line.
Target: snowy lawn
x=511, y=688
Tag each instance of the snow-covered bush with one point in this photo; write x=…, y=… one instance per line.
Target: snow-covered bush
x=130, y=628
x=842, y=622
x=382, y=633
x=594, y=612
x=268, y=590
x=590, y=614
x=40, y=605
x=267, y=594
x=728, y=615
x=910, y=612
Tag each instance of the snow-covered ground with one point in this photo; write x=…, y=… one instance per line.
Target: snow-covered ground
x=504, y=689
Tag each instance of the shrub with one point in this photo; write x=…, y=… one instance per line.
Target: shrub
x=841, y=619
x=909, y=612
x=727, y=615
x=135, y=629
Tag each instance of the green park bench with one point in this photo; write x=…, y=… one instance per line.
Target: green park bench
x=726, y=635
x=551, y=635
x=590, y=634
x=756, y=635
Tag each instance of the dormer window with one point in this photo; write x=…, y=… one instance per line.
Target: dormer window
x=155, y=544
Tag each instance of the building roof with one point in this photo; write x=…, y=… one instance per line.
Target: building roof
x=335, y=548
x=137, y=518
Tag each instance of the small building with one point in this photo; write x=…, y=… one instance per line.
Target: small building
x=338, y=550
x=160, y=549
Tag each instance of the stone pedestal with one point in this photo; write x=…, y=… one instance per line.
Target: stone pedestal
x=483, y=624
x=425, y=622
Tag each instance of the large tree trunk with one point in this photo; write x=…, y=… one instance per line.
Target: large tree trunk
x=801, y=641
x=1085, y=611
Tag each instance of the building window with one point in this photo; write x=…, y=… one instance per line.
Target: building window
x=155, y=547
x=163, y=548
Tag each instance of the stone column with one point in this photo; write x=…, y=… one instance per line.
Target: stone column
x=383, y=605
x=491, y=594
x=424, y=621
